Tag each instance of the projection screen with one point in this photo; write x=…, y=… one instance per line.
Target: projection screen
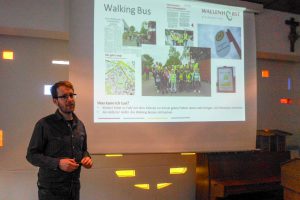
x=164, y=76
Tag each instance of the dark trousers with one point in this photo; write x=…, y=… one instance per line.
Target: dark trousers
x=59, y=191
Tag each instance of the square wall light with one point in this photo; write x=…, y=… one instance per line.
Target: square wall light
x=265, y=73
x=47, y=89
x=8, y=55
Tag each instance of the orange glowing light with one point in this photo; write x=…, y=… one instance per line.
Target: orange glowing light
x=1, y=138
x=286, y=101
x=8, y=55
x=265, y=73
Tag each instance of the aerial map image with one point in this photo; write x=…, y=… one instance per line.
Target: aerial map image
x=119, y=77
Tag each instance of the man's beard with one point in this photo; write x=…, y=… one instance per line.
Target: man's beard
x=65, y=109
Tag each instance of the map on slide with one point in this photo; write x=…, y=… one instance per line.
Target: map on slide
x=119, y=78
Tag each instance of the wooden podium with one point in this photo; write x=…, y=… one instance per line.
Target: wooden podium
x=290, y=179
x=230, y=173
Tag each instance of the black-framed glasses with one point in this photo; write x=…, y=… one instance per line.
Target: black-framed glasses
x=66, y=96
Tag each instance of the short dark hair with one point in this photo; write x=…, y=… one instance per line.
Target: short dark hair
x=56, y=85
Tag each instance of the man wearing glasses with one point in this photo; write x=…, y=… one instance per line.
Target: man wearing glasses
x=58, y=146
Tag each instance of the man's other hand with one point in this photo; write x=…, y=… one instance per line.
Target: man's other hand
x=87, y=162
x=68, y=165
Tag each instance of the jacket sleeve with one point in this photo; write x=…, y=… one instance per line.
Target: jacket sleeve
x=35, y=151
x=84, y=148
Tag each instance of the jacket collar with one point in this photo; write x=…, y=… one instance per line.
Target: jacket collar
x=59, y=116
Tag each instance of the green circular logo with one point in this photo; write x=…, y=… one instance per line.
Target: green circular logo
x=219, y=36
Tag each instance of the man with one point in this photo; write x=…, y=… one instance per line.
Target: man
x=58, y=146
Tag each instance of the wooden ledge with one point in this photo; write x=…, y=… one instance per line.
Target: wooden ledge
x=230, y=183
x=23, y=32
x=290, y=57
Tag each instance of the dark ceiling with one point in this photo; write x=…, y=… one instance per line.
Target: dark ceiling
x=291, y=6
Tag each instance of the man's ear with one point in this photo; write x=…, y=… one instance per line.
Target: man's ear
x=55, y=101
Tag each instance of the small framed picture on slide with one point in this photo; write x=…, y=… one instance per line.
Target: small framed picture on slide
x=226, y=79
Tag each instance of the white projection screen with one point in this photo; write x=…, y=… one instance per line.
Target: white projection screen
x=164, y=76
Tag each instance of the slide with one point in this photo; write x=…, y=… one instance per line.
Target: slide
x=168, y=61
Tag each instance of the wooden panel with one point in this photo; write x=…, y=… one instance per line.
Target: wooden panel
x=238, y=172
x=202, y=174
x=290, y=195
x=291, y=175
x=246, y=165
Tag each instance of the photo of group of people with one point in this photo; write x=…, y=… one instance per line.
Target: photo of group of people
x=134, y=36
x=179, y=37
x=182, y=74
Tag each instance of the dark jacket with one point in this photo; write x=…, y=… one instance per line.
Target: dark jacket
x=54, y=138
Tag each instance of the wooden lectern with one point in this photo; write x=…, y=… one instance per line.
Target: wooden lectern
x=290, y=179
x=229, y=173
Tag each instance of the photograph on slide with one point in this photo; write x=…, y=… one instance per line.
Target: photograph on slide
x=183, y=71
x=224, y=41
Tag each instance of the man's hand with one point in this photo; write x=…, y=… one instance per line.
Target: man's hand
x=68, y=165
x=87, y=162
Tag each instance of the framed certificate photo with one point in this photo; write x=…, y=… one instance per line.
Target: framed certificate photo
x=226, y=79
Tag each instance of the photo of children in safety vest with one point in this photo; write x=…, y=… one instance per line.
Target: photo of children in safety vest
x=179, y=37
x=175, y=78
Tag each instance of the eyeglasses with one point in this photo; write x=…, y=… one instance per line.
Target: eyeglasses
x=66, y=96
